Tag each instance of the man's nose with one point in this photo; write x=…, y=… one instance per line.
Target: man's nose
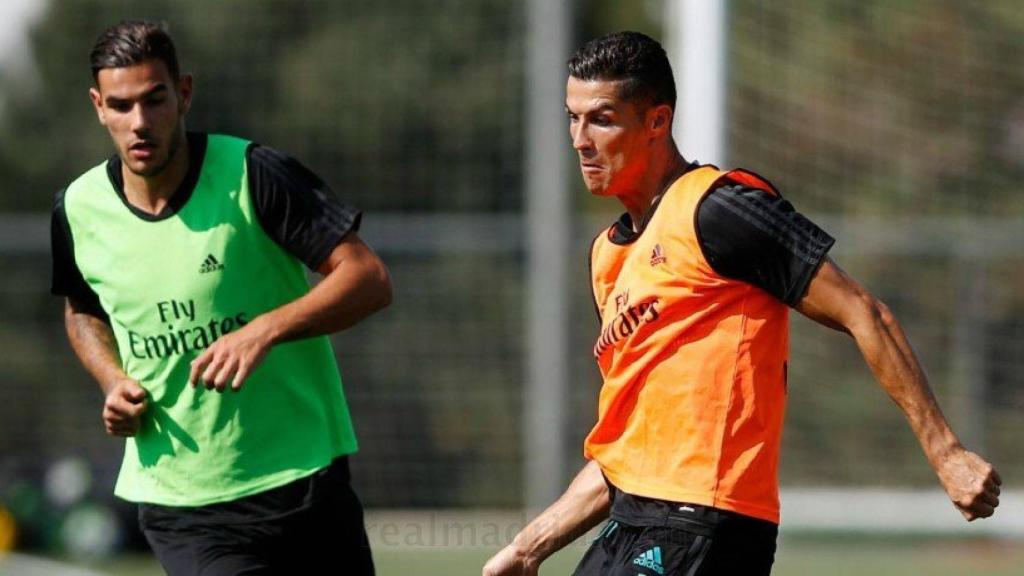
x=139, y=118
x=581, y=138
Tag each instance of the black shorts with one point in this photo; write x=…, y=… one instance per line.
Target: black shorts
x=660, y=538
x=312, y=525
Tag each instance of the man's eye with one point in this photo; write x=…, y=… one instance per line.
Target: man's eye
x=601, y=121
x=120, y=106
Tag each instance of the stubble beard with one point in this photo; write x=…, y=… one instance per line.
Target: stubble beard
x=173, y=146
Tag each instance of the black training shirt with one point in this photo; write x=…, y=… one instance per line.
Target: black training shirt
x=752, y=235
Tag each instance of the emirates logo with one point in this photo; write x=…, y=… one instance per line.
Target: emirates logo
x=620, y=301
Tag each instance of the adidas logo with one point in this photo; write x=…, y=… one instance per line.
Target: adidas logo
x=650, y=559
x=657, y=256
x=210, y=265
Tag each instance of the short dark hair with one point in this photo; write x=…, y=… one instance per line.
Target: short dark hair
x=635, y=59
x=131, y=42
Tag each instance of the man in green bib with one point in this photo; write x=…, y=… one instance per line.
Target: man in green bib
x=180, y=259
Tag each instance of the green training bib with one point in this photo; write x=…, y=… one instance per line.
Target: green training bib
x=172, y=287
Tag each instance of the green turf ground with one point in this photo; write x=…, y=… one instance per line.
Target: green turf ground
x=798, y=556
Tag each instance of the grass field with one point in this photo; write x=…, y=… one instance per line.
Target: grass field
x=798, y=556
x=447, y=543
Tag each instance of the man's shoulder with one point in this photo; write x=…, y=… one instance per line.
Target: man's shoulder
x=226, y=143
x=695, y=180
x=99, y=171
x=227, y=138
x=95, y=176
x=709, y=177
x=269, y=164
x=259, y=157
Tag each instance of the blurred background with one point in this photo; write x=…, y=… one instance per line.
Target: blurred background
x=898, y=125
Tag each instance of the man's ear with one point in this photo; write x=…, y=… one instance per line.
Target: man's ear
x=659, y=120
x=97, y=104
x=184, y=93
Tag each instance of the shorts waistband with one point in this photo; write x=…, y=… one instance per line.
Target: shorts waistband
x=635, y=510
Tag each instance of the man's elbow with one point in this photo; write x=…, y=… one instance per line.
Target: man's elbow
x=378, y=281
x=872, y=314
x=75, y=312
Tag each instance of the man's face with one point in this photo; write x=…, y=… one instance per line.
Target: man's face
x=609, y=134
x=143, y=108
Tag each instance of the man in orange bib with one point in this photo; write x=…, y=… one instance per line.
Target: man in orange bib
x=693, y=286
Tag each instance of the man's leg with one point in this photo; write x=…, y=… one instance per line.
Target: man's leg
x=601, y=551
x=185, y=550
x=330, y=536
x=741, y=546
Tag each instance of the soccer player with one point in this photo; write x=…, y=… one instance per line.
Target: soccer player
x=693, y=286
x=180, y=259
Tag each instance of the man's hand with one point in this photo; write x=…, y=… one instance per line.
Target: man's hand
x=971, y=483
x=123, y=408
x=232, y=358
x=510, y=561
x=93, y=341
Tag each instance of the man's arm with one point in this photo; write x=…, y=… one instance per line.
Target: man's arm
x=93, y=342
x=355, y=284
x=836, y=300
x=580, y=508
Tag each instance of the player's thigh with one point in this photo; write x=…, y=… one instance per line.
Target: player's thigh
x=746, y=550
x=234, y=562
x=600, y=553
x=331, y=533
x=206, y=552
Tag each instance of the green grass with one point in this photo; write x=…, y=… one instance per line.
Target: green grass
x=797, y=556
x=853, y=556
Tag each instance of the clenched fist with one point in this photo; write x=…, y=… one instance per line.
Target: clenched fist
x=123, y=408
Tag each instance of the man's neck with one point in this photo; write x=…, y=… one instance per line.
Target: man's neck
x=662, y=172
x=152, y=193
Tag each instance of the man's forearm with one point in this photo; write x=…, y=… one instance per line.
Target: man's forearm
x=339, y=301
x=355, y=285
x=583, y=505
x=838, y=301
x=892, y=360
x=971, y=483
x=94, y=344
x=835, y=299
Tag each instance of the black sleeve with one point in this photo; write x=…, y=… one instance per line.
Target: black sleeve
x=67, y=279
x=295, y=207
x=752, y=235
